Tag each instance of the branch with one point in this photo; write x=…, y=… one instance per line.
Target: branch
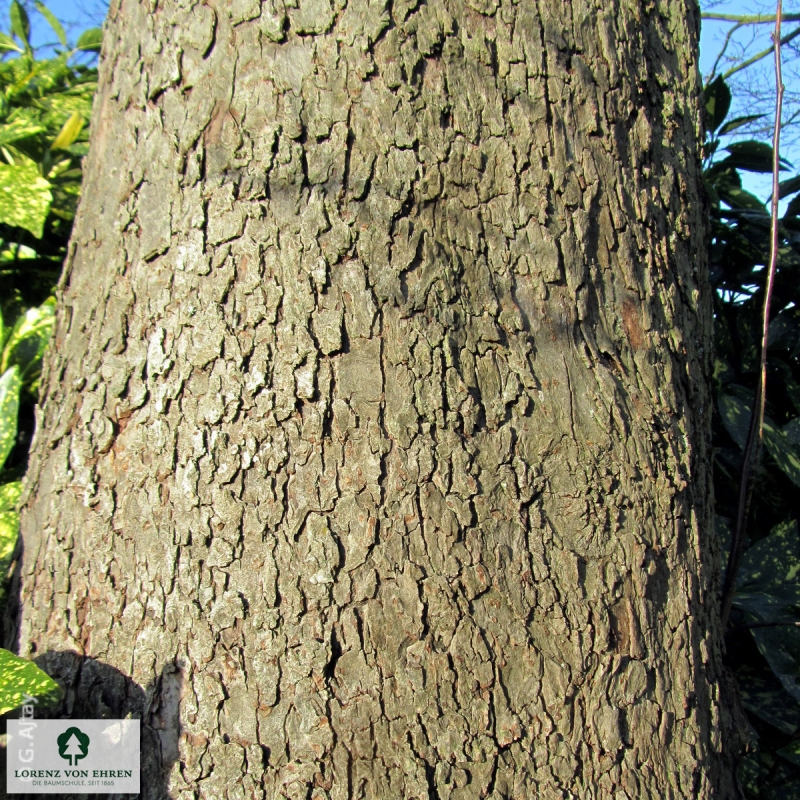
x=748, y=625
x=758, y=56
x=752, y=19
x=756, y=433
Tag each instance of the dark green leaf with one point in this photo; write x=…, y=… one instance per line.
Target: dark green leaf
x=91, y=39
x=791, y=752
x=728, y=127
x=771, y=567
x=742, y=200
x=780, y=448
x=793, y=209
x=792, y=431
x=790, y=186
x=750, y=155
x=54, y=23
x=735, y=412
x=783, y=330
x=712, y=192
x=717, y=101
x=780, y=646
x=766, y=607
x=736, y=417
x=780, y=790
x=723, y=176
x=751, y=773
x=722, y=528
x=763, y=695
x=723, y=373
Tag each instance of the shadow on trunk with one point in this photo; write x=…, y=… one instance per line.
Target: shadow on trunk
x=95, y=690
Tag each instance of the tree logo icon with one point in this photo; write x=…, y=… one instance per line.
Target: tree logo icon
x=73, y=745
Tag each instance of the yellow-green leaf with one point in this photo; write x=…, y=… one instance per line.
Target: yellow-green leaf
x=28, y=339
x=9, y=496
x=7, y=43
x=25, y=197
x=9, y=407
x=20, y=677
x=69, y=132
x=9, y=533
x=19, y=128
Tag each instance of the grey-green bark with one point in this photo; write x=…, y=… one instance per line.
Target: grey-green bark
x=374, y=436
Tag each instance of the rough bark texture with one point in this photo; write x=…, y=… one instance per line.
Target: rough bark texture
x=374, y=436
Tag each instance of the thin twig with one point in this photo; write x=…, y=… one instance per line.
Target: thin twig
x=728, y=37
x=755, y=435
x=758, y=56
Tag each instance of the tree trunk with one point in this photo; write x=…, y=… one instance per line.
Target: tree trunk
x=373, y=457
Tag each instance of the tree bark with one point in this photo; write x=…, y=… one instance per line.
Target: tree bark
x=374, y=437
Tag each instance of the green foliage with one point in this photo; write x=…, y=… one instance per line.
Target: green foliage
x=90, y=40
x=751, y=156
x=717, y=98
x=763, y=642
x=10, y=385
x=791, y=753
x=25, y=197
x=735, y=407
x=26, y=342
x=19, y=677
x=9, y=520
x=45, y=105
x=20, y=24
x=768, y=594
x=22, y=347
x=44, y=108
